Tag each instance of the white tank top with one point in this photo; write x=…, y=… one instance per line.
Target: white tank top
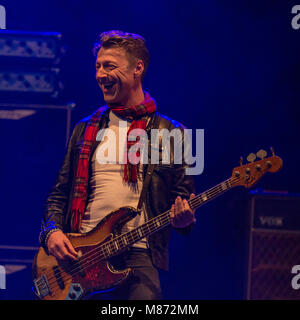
x=108, y=190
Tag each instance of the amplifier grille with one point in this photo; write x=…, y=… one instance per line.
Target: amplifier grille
x=274, y=253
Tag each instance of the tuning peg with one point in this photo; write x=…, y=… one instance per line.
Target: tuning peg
x=241, y=161
x=272, y=150
x=261, y=154
x=251, y=157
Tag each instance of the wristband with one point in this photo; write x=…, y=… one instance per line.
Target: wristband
x=48, y=235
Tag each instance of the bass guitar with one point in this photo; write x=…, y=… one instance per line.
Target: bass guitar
x=92, y=270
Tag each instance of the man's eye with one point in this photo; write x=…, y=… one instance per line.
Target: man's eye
x=107, y=67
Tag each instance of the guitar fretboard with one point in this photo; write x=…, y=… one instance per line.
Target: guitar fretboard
x=122, y=242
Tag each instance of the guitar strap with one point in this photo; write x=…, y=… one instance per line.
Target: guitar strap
x=149, y=172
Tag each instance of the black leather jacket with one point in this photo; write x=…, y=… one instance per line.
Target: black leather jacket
x=167, y=182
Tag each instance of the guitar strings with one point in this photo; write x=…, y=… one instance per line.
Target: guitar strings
x=94, y=256
x=193, y=202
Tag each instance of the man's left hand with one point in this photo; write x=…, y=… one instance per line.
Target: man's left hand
x=181, y=214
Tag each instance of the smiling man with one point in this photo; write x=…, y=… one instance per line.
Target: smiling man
x=86, y=191
x=119, y=76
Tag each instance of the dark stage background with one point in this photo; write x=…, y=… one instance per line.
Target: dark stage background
x=228, y=67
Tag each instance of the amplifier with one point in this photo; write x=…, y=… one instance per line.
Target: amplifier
x=274, y=246
x=33, y=144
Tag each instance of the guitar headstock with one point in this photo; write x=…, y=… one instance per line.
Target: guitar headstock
x=248, y=174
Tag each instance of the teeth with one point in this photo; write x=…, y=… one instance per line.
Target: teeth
x=108, y=85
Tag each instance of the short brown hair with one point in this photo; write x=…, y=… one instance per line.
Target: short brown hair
x=133, y=44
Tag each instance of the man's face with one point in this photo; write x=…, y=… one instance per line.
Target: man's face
x=115, y=75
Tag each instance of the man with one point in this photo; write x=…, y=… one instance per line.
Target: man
x=88, y=189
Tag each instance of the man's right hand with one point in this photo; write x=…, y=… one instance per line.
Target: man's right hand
x=60, y=246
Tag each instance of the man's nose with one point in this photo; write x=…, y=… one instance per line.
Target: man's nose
x=101, y=73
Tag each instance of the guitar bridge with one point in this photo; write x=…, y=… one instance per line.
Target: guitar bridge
x=42, y=287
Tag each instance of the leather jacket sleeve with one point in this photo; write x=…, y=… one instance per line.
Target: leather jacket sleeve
x=56, y=205
x=170, y=181
x=183, y=186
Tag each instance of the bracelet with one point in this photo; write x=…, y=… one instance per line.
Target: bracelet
x=48, y=235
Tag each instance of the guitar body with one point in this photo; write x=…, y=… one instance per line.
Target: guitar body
x=54, y=281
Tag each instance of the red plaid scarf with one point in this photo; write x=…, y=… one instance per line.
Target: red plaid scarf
x=138, y=114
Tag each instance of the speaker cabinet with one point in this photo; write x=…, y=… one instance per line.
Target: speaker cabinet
x=32, y=148
x=274, y=247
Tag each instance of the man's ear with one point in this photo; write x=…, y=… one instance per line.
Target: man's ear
x=139, y=69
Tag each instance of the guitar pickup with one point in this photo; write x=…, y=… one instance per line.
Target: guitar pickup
x=58, y=277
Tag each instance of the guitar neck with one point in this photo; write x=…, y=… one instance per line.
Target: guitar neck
x=125, y=240
x=210, y=194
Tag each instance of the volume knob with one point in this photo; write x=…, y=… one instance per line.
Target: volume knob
x=72, y=295
x=76, y=287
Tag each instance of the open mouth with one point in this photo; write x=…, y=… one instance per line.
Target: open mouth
x=108, y=86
